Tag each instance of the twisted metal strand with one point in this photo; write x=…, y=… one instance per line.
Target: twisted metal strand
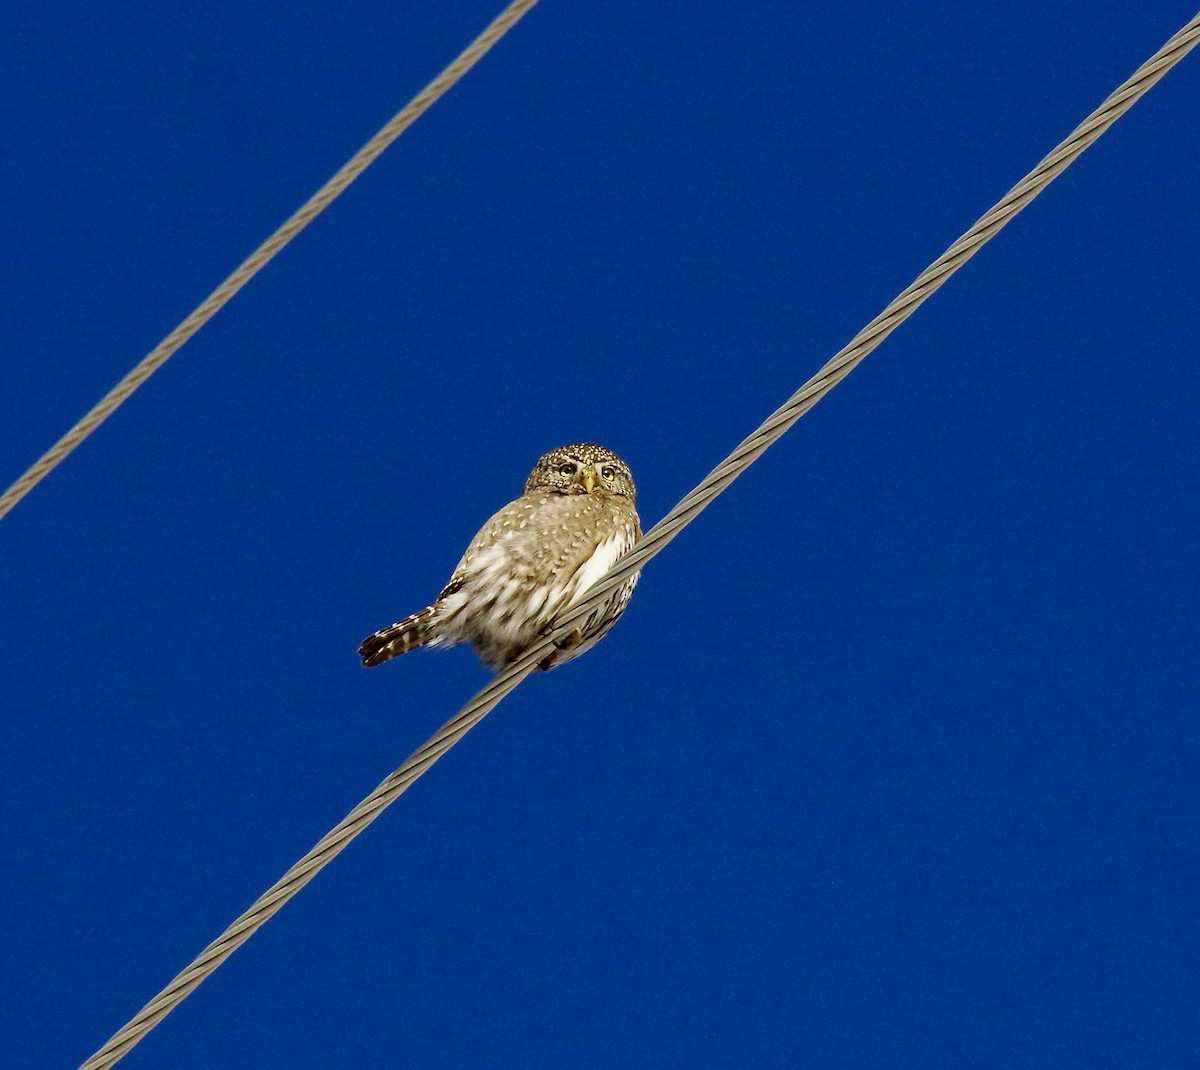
x=258, y=259
x=842, y=363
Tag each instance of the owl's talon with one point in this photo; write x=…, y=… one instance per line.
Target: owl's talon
x=569, y=642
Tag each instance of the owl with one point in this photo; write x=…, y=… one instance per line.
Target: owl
x=530, y=562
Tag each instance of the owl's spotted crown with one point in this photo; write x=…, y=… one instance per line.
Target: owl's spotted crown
x=582, y=468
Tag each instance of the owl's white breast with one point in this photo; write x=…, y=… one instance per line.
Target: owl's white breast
x=598, y=564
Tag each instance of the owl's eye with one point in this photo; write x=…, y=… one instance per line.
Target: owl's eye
x=567, y=469
x=608, y=473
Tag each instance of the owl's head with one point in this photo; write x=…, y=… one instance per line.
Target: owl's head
x=583, y=468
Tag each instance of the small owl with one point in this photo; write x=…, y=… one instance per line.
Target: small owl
x=529, y=563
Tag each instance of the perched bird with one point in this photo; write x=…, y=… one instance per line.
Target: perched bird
x=529, y=563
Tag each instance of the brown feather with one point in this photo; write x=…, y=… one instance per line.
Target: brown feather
x=399, y=638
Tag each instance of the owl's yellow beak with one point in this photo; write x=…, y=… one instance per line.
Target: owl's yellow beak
x=588, y=478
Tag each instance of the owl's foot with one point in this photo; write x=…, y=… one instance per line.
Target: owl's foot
x=569, y=643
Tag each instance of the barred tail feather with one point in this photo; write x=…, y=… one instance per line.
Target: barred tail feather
x=398, y=638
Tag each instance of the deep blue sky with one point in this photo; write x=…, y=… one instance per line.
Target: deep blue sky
x=893, y=761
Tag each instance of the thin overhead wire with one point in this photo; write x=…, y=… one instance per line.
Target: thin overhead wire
x=838, y=367
x=258, y=259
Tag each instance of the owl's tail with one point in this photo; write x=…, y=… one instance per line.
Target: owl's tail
x=398, y=638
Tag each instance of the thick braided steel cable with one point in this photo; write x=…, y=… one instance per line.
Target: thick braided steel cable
x=654, y=541
x=258, y=259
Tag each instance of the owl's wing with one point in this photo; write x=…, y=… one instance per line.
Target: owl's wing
x=510, y=529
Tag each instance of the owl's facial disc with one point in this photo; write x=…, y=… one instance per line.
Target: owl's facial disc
x=581, y=469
